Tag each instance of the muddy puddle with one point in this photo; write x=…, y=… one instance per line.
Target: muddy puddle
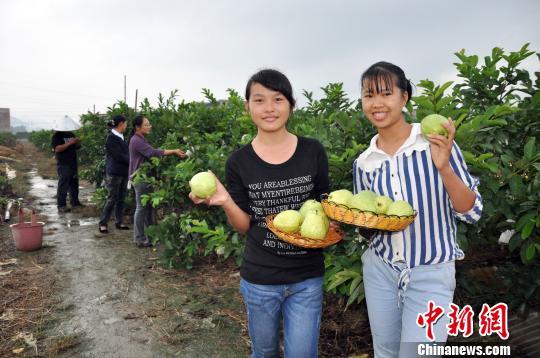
x=116, y=300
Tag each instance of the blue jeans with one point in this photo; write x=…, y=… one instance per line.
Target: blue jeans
x=393, y=327
x=300, y=306
x=143, y=213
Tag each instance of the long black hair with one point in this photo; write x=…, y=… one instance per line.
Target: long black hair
x=383, y=75
x=273, y=80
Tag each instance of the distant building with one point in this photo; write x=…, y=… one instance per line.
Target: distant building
x=5, y=121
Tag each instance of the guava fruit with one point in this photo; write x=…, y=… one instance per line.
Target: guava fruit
x=340, y=197
x=321, y=213
x=432, y=124
x=308, y=205
x=368, y=194
x=288, y=221
x=382, y=202
x=400, y=208
x=363, y=201
x=313, y=226
x=203, y=185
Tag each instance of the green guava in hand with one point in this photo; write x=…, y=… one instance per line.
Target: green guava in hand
x=203, y=185
x=288, y=221
x=432, y=124
x=400, y=208
x=340, y=197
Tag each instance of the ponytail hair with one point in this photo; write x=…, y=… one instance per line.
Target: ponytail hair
x=116, y=120
x=383, y=75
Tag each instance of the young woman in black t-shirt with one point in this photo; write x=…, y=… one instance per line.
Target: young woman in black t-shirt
x=276, y=171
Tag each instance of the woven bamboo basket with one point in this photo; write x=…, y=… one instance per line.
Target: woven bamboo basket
x=333, y=236
x=366, y=219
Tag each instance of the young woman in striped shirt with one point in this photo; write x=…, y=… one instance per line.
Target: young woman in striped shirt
x=404, y=270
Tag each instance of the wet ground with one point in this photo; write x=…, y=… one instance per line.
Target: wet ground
x=116, y=301
x=85, y=294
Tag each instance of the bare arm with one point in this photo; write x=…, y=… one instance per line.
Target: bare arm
x=178, y=152
x=60, y=148
x=461, y=196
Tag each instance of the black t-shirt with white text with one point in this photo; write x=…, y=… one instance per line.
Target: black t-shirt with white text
x=68, y=156
x=261, y=189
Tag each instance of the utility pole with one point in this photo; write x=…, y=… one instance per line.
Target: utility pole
x=94, y=109
x=136, y=93
x=124, y=88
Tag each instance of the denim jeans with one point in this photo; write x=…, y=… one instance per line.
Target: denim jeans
x=300, y=306
x=143, y=213
x=116, y=188
x=393, y=327
x=68, y=181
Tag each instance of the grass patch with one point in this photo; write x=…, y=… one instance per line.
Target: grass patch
x=64, y=343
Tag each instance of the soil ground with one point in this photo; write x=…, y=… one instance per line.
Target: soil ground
x=85, y=294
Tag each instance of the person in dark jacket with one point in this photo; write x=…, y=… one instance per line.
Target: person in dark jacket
x=117, y=152
x=65, y=145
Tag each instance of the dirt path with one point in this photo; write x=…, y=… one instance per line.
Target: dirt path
x=116, y=301
x=85, y=294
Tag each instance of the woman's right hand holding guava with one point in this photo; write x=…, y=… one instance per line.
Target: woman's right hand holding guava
x=219, y=198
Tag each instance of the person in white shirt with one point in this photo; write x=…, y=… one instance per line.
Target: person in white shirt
x=406, y=269
x=117, y=166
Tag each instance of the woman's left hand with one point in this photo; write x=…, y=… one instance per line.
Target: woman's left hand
x=441, y=146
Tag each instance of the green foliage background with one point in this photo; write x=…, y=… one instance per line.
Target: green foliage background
x=496, y=108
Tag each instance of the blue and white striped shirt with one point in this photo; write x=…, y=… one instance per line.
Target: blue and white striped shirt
x=411, y=175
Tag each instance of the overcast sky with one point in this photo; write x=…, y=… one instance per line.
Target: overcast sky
x=65, y=56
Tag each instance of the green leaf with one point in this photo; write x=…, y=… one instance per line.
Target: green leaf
x=424, y=103
x=530, y=251
x=514, y=243
x=538, y=221
x=516, y=185
x=527, y=230
x=443, y=88
x=355, y=283
x=524, y=220
x=530, y=149
x=535, y=100
x=442, y=103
